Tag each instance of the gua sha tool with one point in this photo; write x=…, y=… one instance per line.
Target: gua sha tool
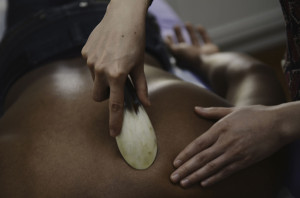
x=137, y=140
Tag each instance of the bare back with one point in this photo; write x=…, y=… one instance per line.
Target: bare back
x=54, y=140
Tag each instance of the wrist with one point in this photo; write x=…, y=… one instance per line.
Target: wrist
x=287, y=122
x=278, y=124
x=131, y=12
x=136, y=5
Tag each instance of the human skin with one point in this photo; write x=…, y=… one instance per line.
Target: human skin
x=115, y=48
x=54, y=140
x=244, y=134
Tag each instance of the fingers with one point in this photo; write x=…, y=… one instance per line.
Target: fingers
x=116, y=106
x=179, y=35
x=198, y=145
x=169, y=42
x=92, y=70
x=195, y=163
x=192, y=33
x=204, y=35
x=116, y=99
x=211, y=168
x=213, y=112
x=100, y=90
x=90, y=62
x=222, y=174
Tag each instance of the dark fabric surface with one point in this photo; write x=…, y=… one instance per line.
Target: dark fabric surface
x=291, y=11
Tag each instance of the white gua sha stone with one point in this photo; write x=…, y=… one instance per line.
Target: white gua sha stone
x=137, y=140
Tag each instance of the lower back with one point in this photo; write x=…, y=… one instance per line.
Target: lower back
x=54, y=140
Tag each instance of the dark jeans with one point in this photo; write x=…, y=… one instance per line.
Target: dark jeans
x=56, y=33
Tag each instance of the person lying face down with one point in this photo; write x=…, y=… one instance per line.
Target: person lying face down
x=54, y=140
x=61, y=146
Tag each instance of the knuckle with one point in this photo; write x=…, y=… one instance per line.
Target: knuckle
x=116, y=75
x=90, y=63
x=211, y=166
x=186, y=154
x=99, y=69
x=184, y=170
x=198, y=143
x=238, y=154
x=116, y=106
x=200, y=158
x=91, y=60
x=84, y=52
x=223, y=126
x=196, y=176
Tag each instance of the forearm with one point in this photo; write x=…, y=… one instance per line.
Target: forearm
x=224, y=71
x=131, y=12
x=289, y=125
x=242, y=80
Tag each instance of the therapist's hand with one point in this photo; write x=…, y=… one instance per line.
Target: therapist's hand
x=115, y=49
x=241, y=137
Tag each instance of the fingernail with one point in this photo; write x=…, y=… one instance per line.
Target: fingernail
x=199, y=109
x=175, y=178
x=204, y=183
x=177, y=163
x=184, y=182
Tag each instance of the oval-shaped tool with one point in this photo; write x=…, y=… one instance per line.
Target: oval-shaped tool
x=137, y=140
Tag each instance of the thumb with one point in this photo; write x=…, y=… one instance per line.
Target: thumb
x=213, y=112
